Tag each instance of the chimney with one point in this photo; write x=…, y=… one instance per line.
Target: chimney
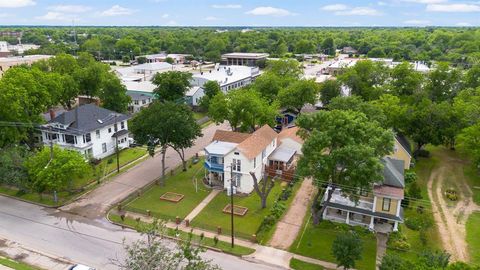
x=52, y=114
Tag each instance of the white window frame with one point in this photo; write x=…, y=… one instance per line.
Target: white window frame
x=384, y=201
x=236, y=165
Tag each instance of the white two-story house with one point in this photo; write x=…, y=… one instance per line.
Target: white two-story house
x=88, y=129
x=233, y=155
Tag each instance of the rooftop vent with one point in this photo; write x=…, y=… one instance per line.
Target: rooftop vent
x=99, y=121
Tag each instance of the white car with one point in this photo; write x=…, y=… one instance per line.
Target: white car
x=80, y=267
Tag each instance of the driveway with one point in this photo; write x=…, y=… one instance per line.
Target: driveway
x=290, y=225
x=94, y=204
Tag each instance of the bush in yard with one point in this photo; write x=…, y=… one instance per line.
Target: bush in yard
x=423, y=153
x=347, y=248
x=392, y=262
x=398, y=241
x=435, y=259
x=410, y=177
x=414, y=191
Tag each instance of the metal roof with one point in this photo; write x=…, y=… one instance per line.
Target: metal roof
x=220, y=148
x=282, y=153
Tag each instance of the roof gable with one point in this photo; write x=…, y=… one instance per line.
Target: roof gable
x=290, y=133
x=257, y=141
x=402, y=140
x=393, y=172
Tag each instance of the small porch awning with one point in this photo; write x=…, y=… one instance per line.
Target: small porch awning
x=282, y=154
x=120, y=133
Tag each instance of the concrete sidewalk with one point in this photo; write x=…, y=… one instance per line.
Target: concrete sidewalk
x=202, y=204
x=20, y=253
x=263, y=254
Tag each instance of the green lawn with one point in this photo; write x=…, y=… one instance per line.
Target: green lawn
x=182, y=183
x=316, y=242
x=301, y=265
x=16, y=265
x=473, y=239
x=127, y=155
x=199, y=115
x=224, y=246
x=245, y=226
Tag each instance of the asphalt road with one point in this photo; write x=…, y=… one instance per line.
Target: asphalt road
x=79, y=239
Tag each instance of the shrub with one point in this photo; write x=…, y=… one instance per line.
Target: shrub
x=410, y=177
x=423, y=153
x=414, y=191
x=110, y=161
x=419, y=222
x=398, y=241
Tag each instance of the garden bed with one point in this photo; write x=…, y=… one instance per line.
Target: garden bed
x=172, y=197
x=237, y=210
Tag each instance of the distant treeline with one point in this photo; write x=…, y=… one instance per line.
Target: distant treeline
x=459, y=46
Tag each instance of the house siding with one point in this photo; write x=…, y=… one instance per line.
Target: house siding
x=393, y=205
x=401, y=154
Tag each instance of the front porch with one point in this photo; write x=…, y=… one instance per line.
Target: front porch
x=214, y=179
x=281, y=163
x=373, y=223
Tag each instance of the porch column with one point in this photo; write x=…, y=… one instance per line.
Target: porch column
x=324, y=215
x=371, y=223
x=348, y=218
x=395, y=226
x=374, y=203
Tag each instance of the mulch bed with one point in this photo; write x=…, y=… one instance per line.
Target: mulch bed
x=237, y=210
x=172, y=197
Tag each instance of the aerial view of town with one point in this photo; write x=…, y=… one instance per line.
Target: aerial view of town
x=239, y=135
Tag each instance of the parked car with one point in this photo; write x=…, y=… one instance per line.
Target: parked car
x=80, y=267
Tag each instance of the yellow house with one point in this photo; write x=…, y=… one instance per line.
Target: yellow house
x=380, y=210
x=402, y=150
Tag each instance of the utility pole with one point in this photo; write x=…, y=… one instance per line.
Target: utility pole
x=116, y=144
x=231, y=202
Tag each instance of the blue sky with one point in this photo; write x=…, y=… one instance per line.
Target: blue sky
x=242, y=13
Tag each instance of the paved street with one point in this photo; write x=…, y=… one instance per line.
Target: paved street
x=79, y=239
x=94, y=204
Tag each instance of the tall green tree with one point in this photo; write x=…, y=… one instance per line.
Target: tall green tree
x=328, y=90
x=285, y=68
x=347, y=248
x=211, y=88
x=355, y=103
x=342, y=148
x=55, y=172
x=163, y=125
x=365, y=79
x=171, y=85
x=297, y=94
x=472, y=77
x=328, y=46
x=443, y=83
x=404, y=80
x=244, y=110
x=12, y=171
x=113, y=94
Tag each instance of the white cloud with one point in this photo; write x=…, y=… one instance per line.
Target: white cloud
x=227, y=6
x=359, y=11
x=166, y=16
x=453, y=8
x=335, y=7
x=417, y=22
x=16, y=3
x=270, y=11
x=463, y=24
x=381, y=3
x=70, y=8
x=55, y=16
x=211, y=18
x=117, y=10
x=426, y=1
x=172, y=23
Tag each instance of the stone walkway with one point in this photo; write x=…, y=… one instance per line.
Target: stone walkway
x=202, y=204
x=382, y=239
x=291, y=223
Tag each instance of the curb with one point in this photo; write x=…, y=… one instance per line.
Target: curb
x=172, y=237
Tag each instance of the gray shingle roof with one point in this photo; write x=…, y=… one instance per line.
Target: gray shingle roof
x=393, y=172
x=86, y=118
x=404, y=142
x=138, y=96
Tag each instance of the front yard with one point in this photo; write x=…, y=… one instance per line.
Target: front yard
x=181, y=183
x=245, y=226
x=316, y=242
x=15, y=264
x=80, y=185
